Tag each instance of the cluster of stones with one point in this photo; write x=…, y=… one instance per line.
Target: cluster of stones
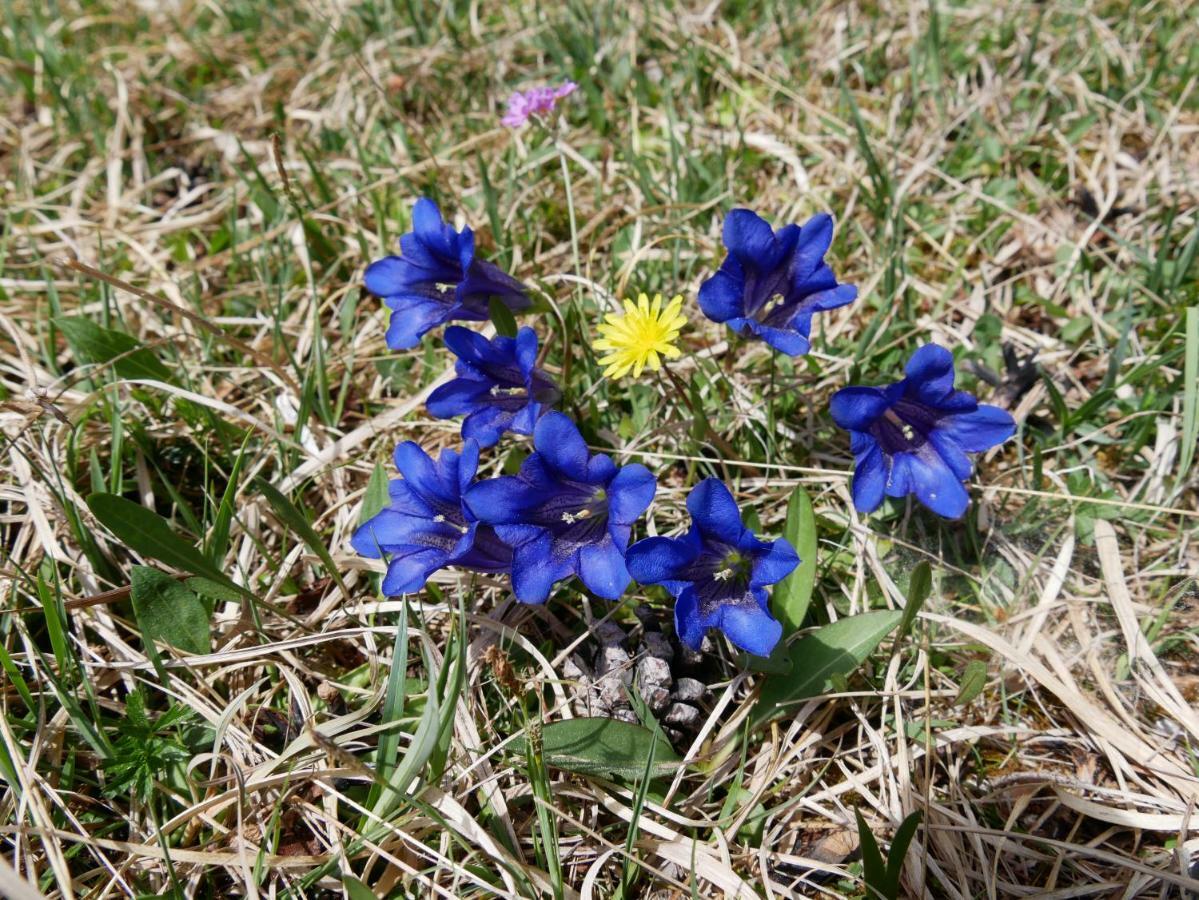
x=604, y=680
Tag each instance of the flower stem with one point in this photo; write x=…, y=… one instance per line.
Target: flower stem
x=574, y=248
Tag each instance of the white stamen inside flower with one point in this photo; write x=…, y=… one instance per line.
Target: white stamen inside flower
x=723, y=574
x=908, y=431
x=571, y=518
x=446, y=288
x=439, y=518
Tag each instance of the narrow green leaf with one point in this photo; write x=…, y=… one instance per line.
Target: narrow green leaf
x=218, y=537
x=899, y=848
x=502, y=318
x=92, y=345
x=1190, y=394
x=377, y=495
x=874, y=871
x=920, y=585
x=793, y=594
x=167, y=610
x=974, y=679
x=148, y=533
x=833, y=650
x=290, y=516
x=603, y=747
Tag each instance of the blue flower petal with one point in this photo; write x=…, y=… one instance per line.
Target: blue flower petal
x=814, y=239
x=930, y=373
x=534, y=570
x=951, y=452
x=408, y=571
x=411, y=320
x=486, y=425
x=688, y=624
x=857, y=408
x=715, y=511
x=750, y=626
x=526, y=349
x=790, y=342
x=937, y=487
x=869, y=478
x=385, y=277
x=777, y=563
x=986, y=427
x=832, y=298
x=602, y=569
x=419, y=471
x=466, y=344
x=558, y=441
x=457, y=397
x=630, y=493
x=750, y=238
x=721, y=297
x=502, y=501
x=663, y=560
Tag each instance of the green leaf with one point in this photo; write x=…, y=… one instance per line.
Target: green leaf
x=167, y=610
x=874, y=871
x=974, y=679
x=793, y=594
x=148, y=533
x=290, y=516
x=920, y=585
x=1190, y=394
x=92, y=345
x=502, y=318
x=377, y=496
x=356, y=890
x=899, y=848
x=830, y=651
x=603, y=747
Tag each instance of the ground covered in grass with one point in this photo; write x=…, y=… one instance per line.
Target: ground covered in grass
x=205, y=692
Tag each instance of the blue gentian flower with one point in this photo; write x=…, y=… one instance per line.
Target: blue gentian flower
x=717, y=572
x=912, y=437
x=498, y=387
x=772, y=282
x=565, y=513
x=426, y=526
x=437, y=279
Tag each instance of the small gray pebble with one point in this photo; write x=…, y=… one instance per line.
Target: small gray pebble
x=690, y=690
x=677, y=738
x=624, y=714
x=681, y=715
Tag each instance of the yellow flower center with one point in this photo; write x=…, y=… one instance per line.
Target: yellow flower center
x=640, y=336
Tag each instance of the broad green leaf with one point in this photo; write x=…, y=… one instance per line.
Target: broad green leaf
x=603, y=747
x=149, y=534
x=502, y=318
x=793, y=594
x=899, y=848
x=92, y=345
x=168, y=610
x=974, y=679
x=377, y=496
x=832, y=650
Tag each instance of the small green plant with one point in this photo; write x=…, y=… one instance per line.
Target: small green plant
x=882, y=876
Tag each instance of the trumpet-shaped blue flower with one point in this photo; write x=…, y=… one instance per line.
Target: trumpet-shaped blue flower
x=565, y=513
x=426, y=526
x=498, y=387
x=912, y=437
x=717, y=572
x=437, y=279
x=772, y=283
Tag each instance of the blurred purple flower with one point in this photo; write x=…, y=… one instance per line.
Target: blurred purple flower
x=538, y=101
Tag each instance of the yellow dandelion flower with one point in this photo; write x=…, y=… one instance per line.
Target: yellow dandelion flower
x=641, y=336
